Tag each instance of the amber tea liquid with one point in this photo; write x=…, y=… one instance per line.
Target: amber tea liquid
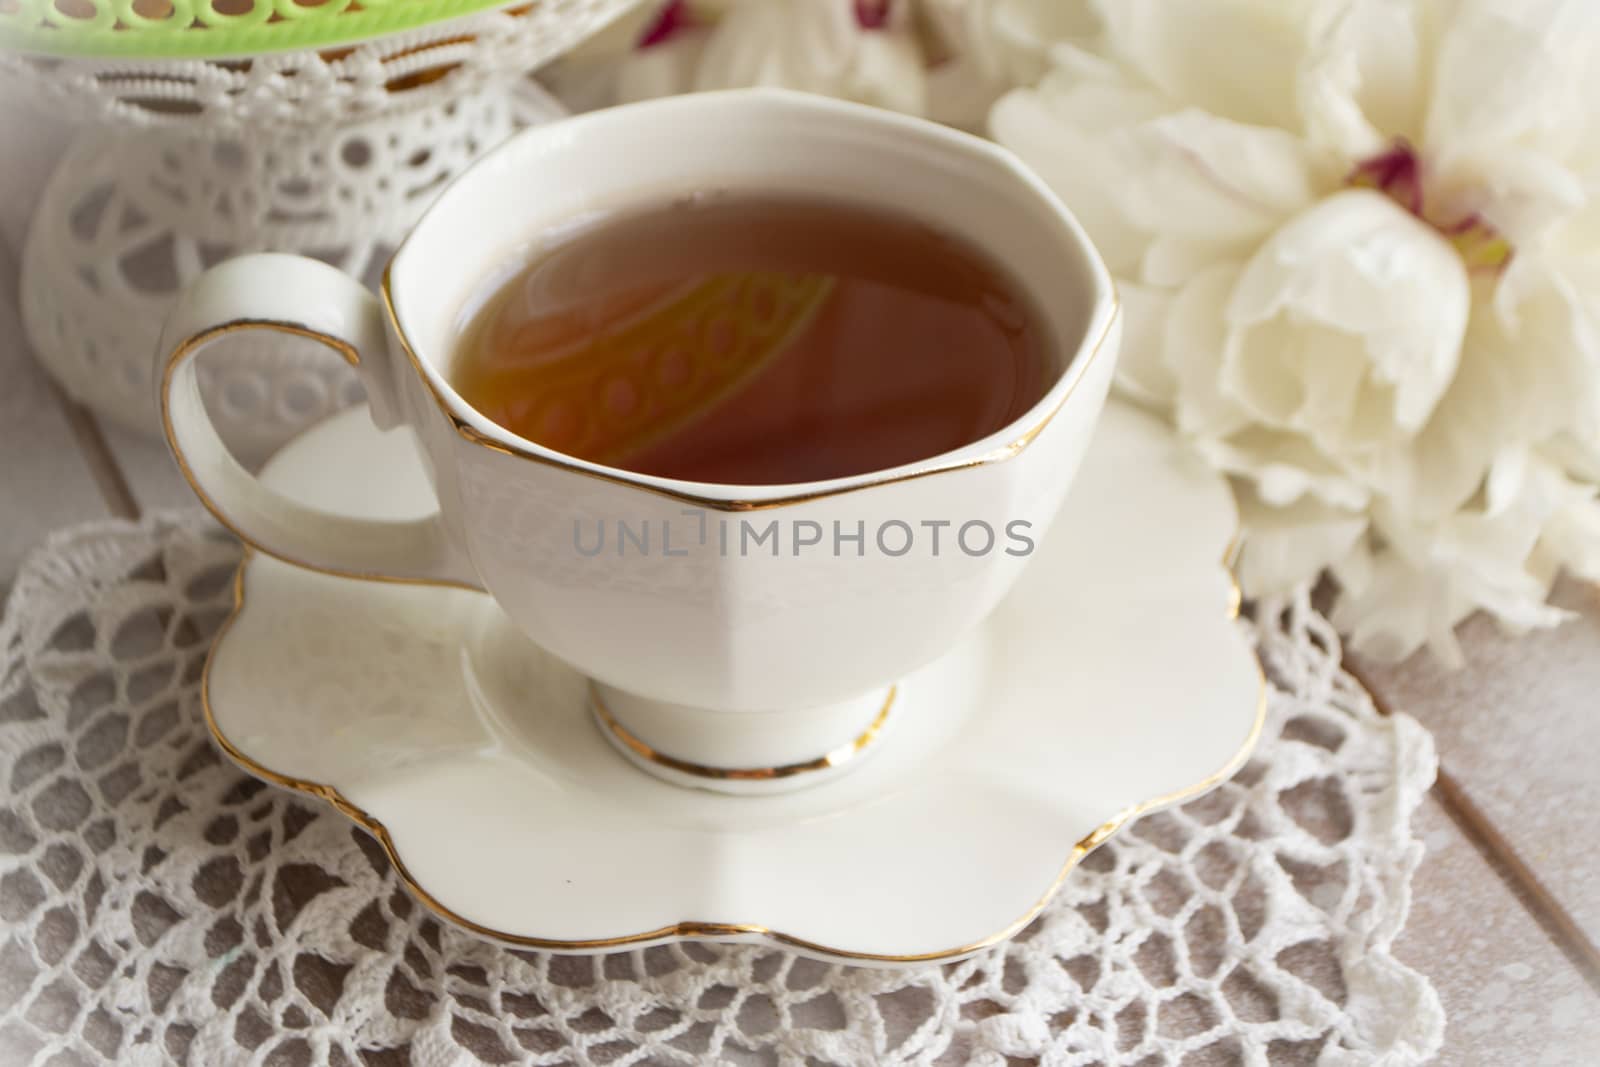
x=754, y=340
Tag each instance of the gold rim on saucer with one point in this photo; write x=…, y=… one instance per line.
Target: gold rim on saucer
x=697, y=929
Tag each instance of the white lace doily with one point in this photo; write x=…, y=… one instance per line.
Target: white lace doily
x=163, y=907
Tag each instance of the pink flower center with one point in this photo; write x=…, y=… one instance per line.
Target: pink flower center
x=673, y=18
x=1397, y=173
x=873, y=14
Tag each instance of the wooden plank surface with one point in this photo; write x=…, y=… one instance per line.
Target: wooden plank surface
x=1518, y=730
x=152, y=475
x=1510, y=995
x=47, y=479
x=45, y=482
x=30, y=144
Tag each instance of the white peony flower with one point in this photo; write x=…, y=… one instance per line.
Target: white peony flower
x=984, y=47
x=868, y=51
x=1009, y=40
x=1359, y=246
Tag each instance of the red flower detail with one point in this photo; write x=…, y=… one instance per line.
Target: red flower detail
x=673, y=18
x=873, y=14
x=1397, y=173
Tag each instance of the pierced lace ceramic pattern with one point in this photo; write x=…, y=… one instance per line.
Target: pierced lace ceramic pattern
x=332, y=154
x=306, y=88
x=125, y=225
x=164, y=907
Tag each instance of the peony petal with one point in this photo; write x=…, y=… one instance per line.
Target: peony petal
x=1445, y=468
x=747, y=47
x=586, y=77
x=1489, y=555
x=1008, y=41
x=1429, y=577
x=1518, y=73
x=1356, y=572
x=1569, y=538
x=1572, y=537
x=1574, y=249
x=818, y=46
x=1061, y=130
x=1142, y=370
x=661, y=70
x=1530, y=380
x=1507, y=479
x=1285, y=467
x=1355, y=278
x=1170, y=262
x=1234, y=58
x=1286, y=547
x=1360, y=88
x=620, y=36
x=1521, y=193
x=1195, y=335
x=1161, y=192
x=1398, y=610
x=1549, y=311
x=1196, y=184
x=958, y=94
x=1194, y=176
x=888, y=73
x=1578, y=457
x=1513, y=129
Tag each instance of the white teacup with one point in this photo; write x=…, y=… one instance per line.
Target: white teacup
x=738, y=637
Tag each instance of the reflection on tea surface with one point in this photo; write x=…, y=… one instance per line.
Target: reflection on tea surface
x=754, y=340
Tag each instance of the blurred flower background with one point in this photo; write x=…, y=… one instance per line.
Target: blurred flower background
x=1357, y=242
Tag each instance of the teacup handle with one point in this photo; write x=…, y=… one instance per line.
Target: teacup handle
x=306, y=298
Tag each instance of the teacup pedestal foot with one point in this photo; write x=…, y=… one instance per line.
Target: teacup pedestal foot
x=747, y=753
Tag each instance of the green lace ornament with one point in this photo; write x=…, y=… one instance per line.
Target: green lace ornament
x=215, y=29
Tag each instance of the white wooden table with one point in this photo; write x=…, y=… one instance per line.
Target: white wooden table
x=1506, y=908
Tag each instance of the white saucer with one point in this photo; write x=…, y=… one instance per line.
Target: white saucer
x=1110, y=682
